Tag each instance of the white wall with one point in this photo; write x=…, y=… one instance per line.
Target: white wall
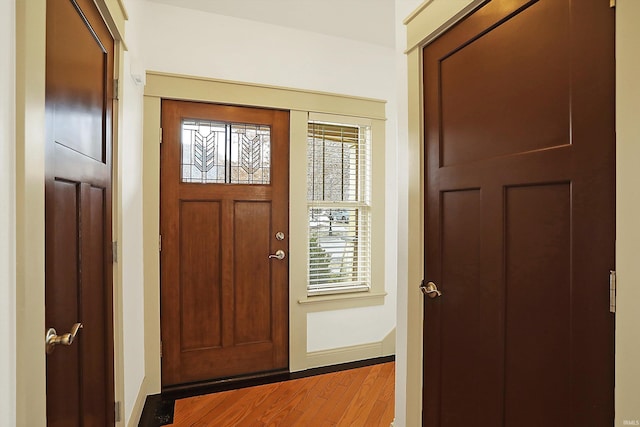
x=183, y=41
x=7, y=213
x=131, y=245
x=628, y=213
x=130, y=149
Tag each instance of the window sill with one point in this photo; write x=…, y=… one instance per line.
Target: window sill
x=346, y=300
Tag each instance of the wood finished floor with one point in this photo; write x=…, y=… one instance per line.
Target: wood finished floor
x=356, y=397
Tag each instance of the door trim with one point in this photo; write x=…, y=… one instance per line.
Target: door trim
x=30, y=374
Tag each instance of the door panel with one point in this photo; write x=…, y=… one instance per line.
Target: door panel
x=538, y=303
x=79, y=93
x=79, y=81
x=519, y=216
x=512, y=66
x=224, y=190
x=200, y=244
x=461, y=264
x=252, y=279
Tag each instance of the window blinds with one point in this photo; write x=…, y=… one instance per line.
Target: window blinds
x=338, y=183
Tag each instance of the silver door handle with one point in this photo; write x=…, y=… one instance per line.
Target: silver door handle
x=52, y=339
x=278, y=255
x=430, y=290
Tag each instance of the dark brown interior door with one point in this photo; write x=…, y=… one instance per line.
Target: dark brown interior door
x=79, y=93
x=224, y=211
x=519, y=205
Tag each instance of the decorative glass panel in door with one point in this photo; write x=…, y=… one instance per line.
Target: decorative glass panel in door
x=225, y=153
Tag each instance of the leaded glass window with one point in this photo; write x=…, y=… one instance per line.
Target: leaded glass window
x=225, y=153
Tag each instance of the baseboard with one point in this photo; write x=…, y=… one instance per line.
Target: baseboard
x=336, y=356
x=389, y=343
x=136, y=411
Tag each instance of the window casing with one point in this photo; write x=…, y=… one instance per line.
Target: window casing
x=339, y=208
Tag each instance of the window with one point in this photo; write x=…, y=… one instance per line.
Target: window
x=220, y=152
x=338, y=195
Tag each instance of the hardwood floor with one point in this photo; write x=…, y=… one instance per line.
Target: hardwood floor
x=356, y=397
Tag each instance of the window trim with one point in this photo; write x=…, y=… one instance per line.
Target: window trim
x=374, y=199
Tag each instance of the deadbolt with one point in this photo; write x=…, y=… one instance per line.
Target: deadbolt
x=279, y=235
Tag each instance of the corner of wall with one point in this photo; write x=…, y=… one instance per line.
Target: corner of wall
x=141, y=398
x=389, y=343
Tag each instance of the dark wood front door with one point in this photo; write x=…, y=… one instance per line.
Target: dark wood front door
x=519, y=205
x=79, y=93
x=224, y=211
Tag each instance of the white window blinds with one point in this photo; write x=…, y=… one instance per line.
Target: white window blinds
x=338, y=193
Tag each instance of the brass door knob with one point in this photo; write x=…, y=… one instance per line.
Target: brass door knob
x=430, y=290
x=52, y=339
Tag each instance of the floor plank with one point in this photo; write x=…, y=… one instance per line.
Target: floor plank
x=362, y=397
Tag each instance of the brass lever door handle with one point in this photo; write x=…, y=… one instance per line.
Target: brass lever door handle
x=430, y=290
x=52, y=339
x=278, y=255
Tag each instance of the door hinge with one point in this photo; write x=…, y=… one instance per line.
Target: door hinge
x=114, y=252
x=160, y=243
x=160, y=135
x=116, y=89
x=118, y=411
x=160, y=348
x=612, y=3
x=612, y=291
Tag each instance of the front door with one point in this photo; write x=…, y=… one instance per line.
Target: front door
x=79, y=301
x=224, y=241
x=519, y=205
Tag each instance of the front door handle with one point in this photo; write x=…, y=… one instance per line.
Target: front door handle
x=52, y=339
x=278, y=255
x=430, y=290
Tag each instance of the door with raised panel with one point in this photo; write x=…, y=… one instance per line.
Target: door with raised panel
x=78, y=262
x=224, y=226
x=519, y=216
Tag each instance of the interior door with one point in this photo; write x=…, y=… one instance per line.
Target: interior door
x=79, y=93
x=224, y=226
x=519, y=145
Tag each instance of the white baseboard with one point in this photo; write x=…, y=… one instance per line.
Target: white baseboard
x=389, y=343
x=336, y=356
x=353, y=353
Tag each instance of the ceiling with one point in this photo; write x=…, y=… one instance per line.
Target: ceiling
x=369, y=21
